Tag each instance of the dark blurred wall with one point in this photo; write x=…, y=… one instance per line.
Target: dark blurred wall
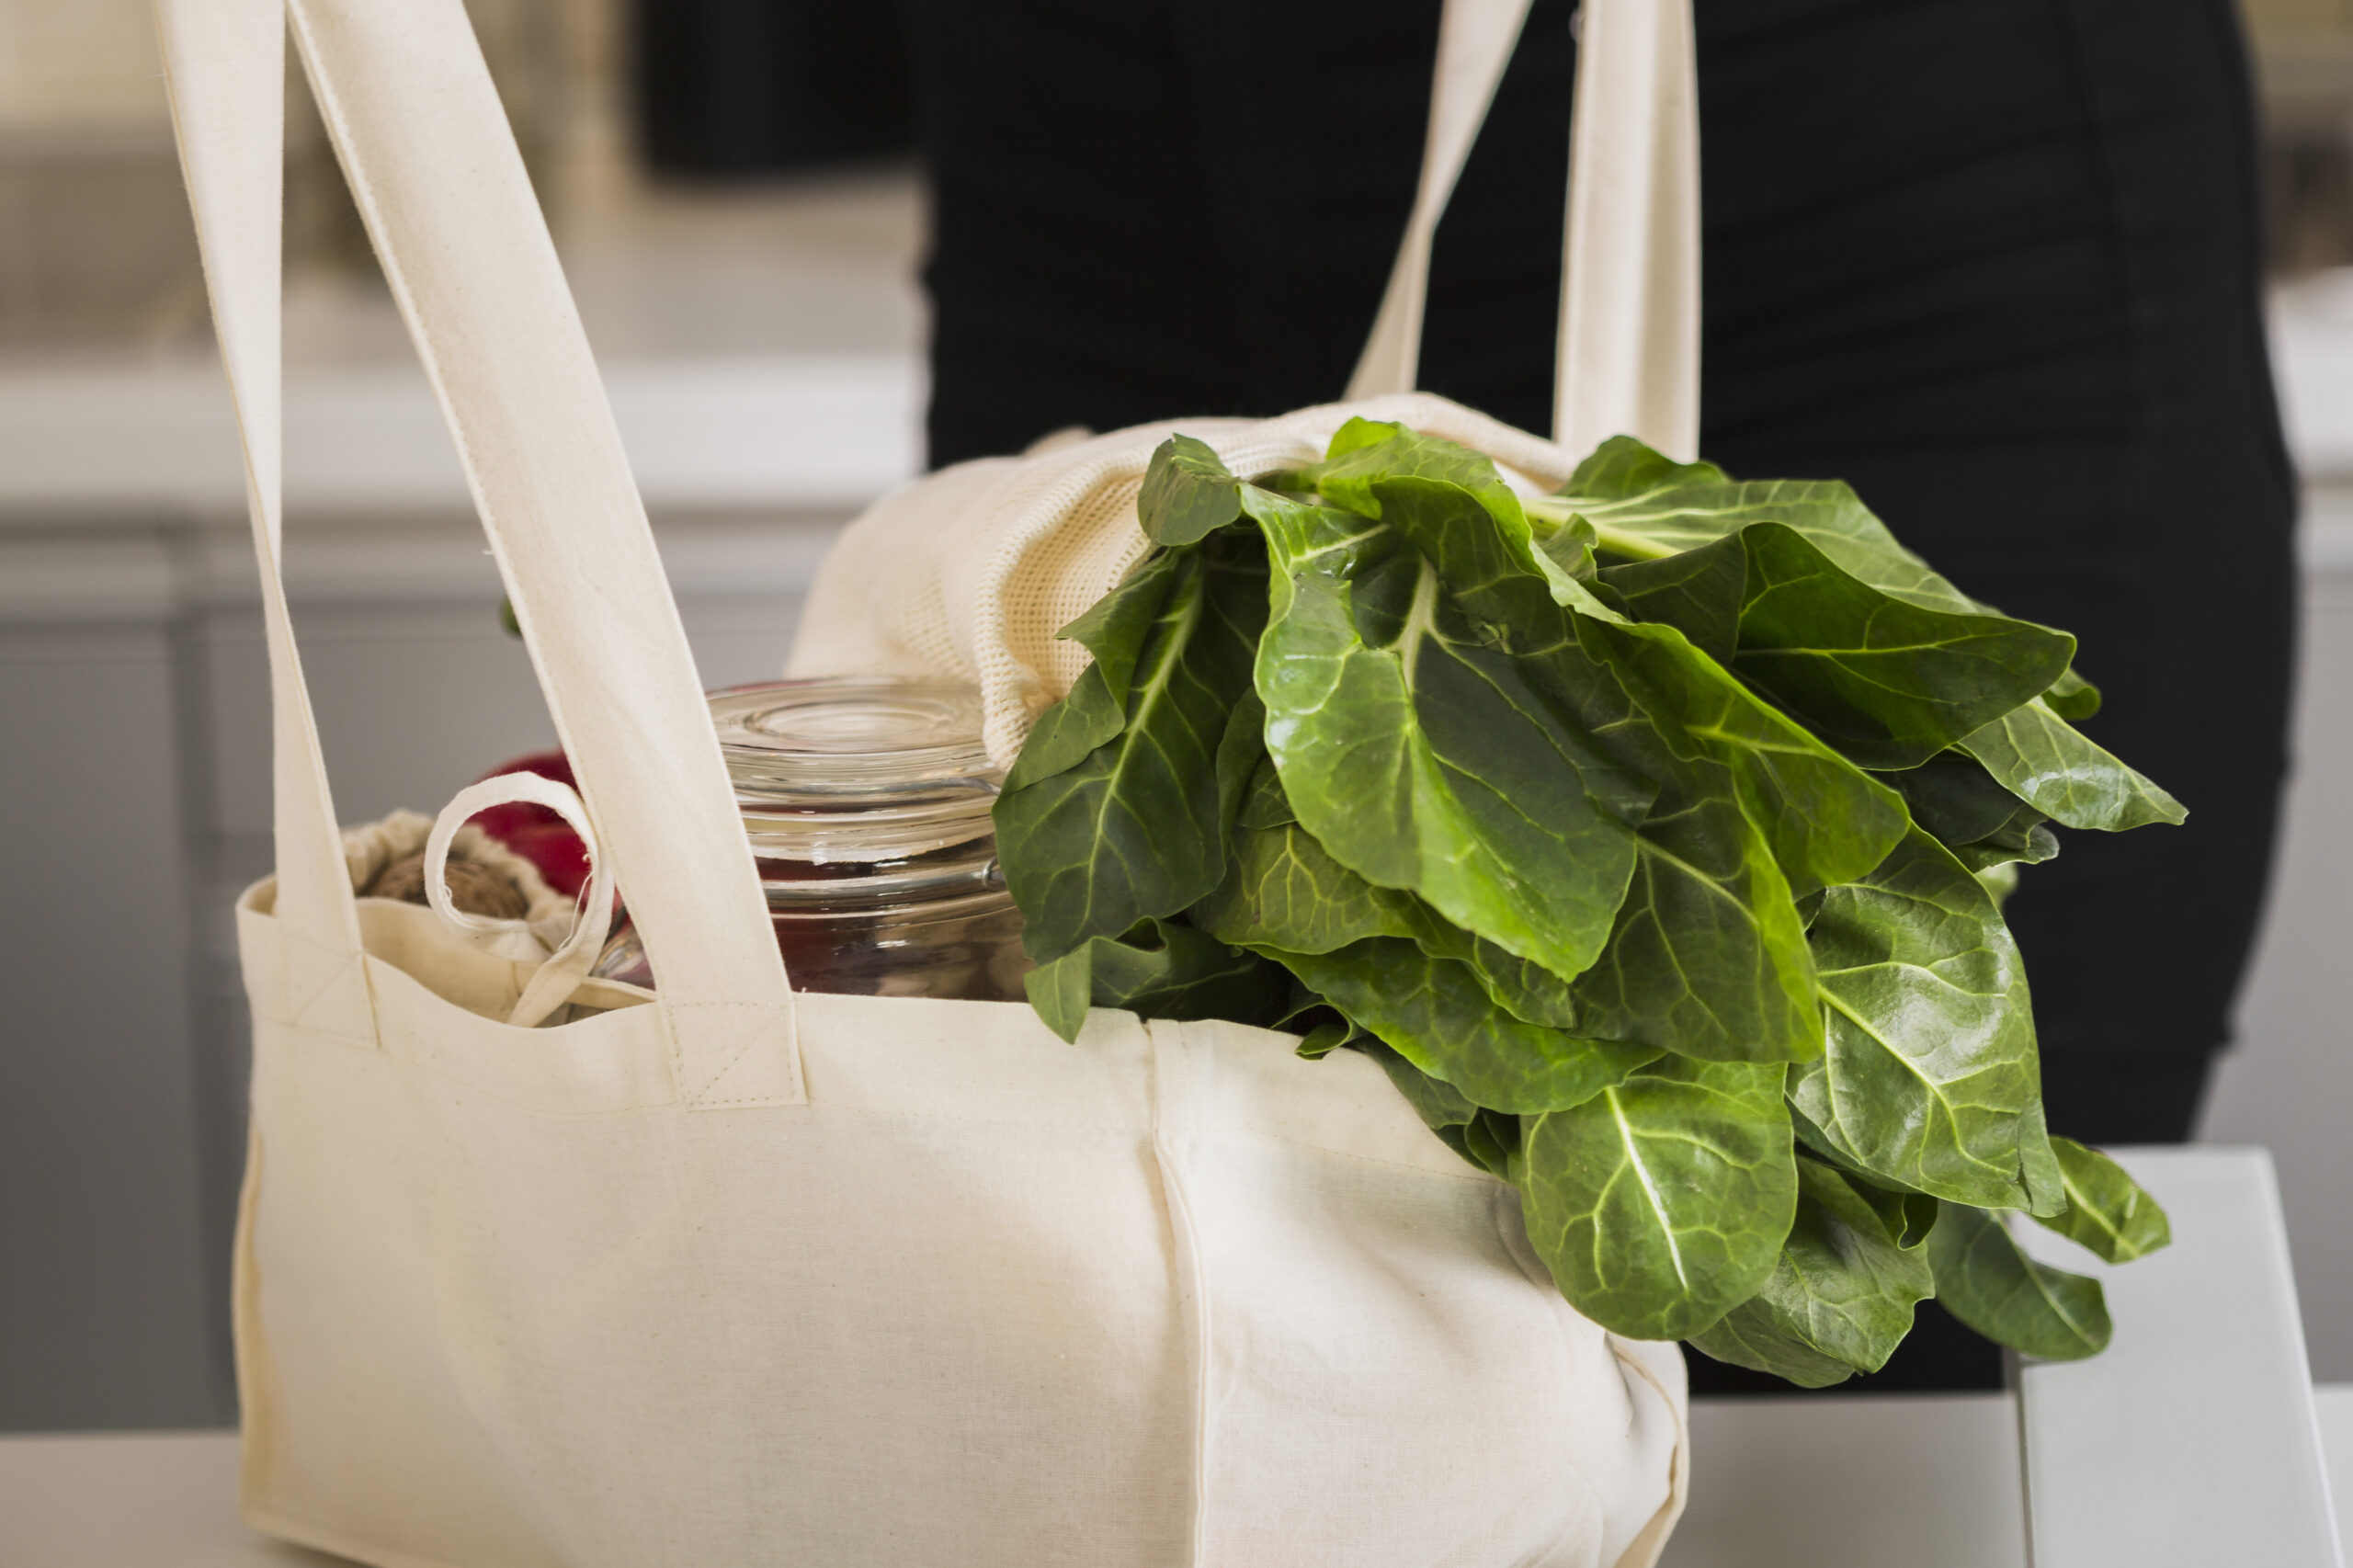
x=747, y=87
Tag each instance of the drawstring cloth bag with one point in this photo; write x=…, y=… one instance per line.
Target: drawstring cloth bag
x=728, y=1275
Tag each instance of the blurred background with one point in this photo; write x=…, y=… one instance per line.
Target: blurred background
x=744, y=257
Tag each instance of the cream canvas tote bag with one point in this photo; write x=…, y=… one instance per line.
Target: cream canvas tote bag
x=728, y=1275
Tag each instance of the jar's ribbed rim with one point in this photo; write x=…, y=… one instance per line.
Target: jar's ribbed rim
x=857, y=768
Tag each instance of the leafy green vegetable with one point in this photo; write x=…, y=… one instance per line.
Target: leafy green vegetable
x=2038, y=1168
x=1328, y=1035
x=1095, y=710
x=1661, y=1205
x=1434, y=1012
x=1908, y=1217
x=1438, y=1103
x=1160, y=970
x=1709, y=957
x=1964, y=808
x=1671, y=706
x=1641, y=834
x=1642, y=508
x=1134, y=829
x=2047, y=762
x=1888, y=682
x=1840, y=1297
x=1487, y=1139
x=1422, y=757
x=1988, y=1283
x=1188, y=494
x=1931, y=1063
x=1283, y=889
x=2107, y=1212
x=1622, y=467
x=1520, y=987
x=2072, y=697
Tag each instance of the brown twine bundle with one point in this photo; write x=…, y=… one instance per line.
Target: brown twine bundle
x=475, y=889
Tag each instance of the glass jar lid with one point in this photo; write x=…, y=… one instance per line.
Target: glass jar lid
x=858, y=768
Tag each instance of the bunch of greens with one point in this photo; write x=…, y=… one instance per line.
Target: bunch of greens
x=1650, y=835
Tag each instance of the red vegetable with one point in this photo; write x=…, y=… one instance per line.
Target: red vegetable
x=534, y=831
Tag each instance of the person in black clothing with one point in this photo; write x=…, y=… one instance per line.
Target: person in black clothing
x=1994, y=262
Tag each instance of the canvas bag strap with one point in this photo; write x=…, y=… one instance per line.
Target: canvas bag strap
x=1627, y=361
x=1475, y=38
x=224, y=64
x=434, y=169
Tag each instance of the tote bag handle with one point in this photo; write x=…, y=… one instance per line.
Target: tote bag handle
x=1628, y=357
x=433, y=167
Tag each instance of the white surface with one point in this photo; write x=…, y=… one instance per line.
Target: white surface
x=2332, y=1404
x=1831, y=1482
x=1820, y=1483
x=2192, y=1439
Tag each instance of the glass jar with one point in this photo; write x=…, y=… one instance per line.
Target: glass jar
x=867, y=801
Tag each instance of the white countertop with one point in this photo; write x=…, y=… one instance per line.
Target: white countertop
x=1930, y=1482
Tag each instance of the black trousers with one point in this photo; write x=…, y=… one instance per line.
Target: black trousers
x=1993, y=261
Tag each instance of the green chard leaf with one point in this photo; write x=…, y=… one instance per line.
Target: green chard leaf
x=1434, y=1013
x=1643, y=507
x=1282, y=890
x=1707, y=955
x=1137, y=828
x=1188, y=494
x=1263, y=803
x=1887, y=682
x=1241, y=754
x=2038, y=1168
x=1678, y=513
x=2107, y=1212
x=2047, y=762
x=1908, y=1215
x=1622, y=467
x=1493, y=1141
x=1840, y=1297
x=1824, y=820
x=1062, y=992
x=1827, y=821
x=1961, y=805
x=1931, y=1063
x=1987, y=1281
x=1358, y=433
x=1096, y=709
x=1661, y=1204
x=1438, y=1104
x=1698, y=592
x=1160, y=970
x=1520, y=986
x=1328, y=1035
x=2072, y=698
x=1486, y=1139
x=1424, y=758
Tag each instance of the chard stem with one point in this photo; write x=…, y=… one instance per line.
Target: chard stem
x=1547, y=513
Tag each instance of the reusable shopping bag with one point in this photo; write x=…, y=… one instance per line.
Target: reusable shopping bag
x=731, y=1276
